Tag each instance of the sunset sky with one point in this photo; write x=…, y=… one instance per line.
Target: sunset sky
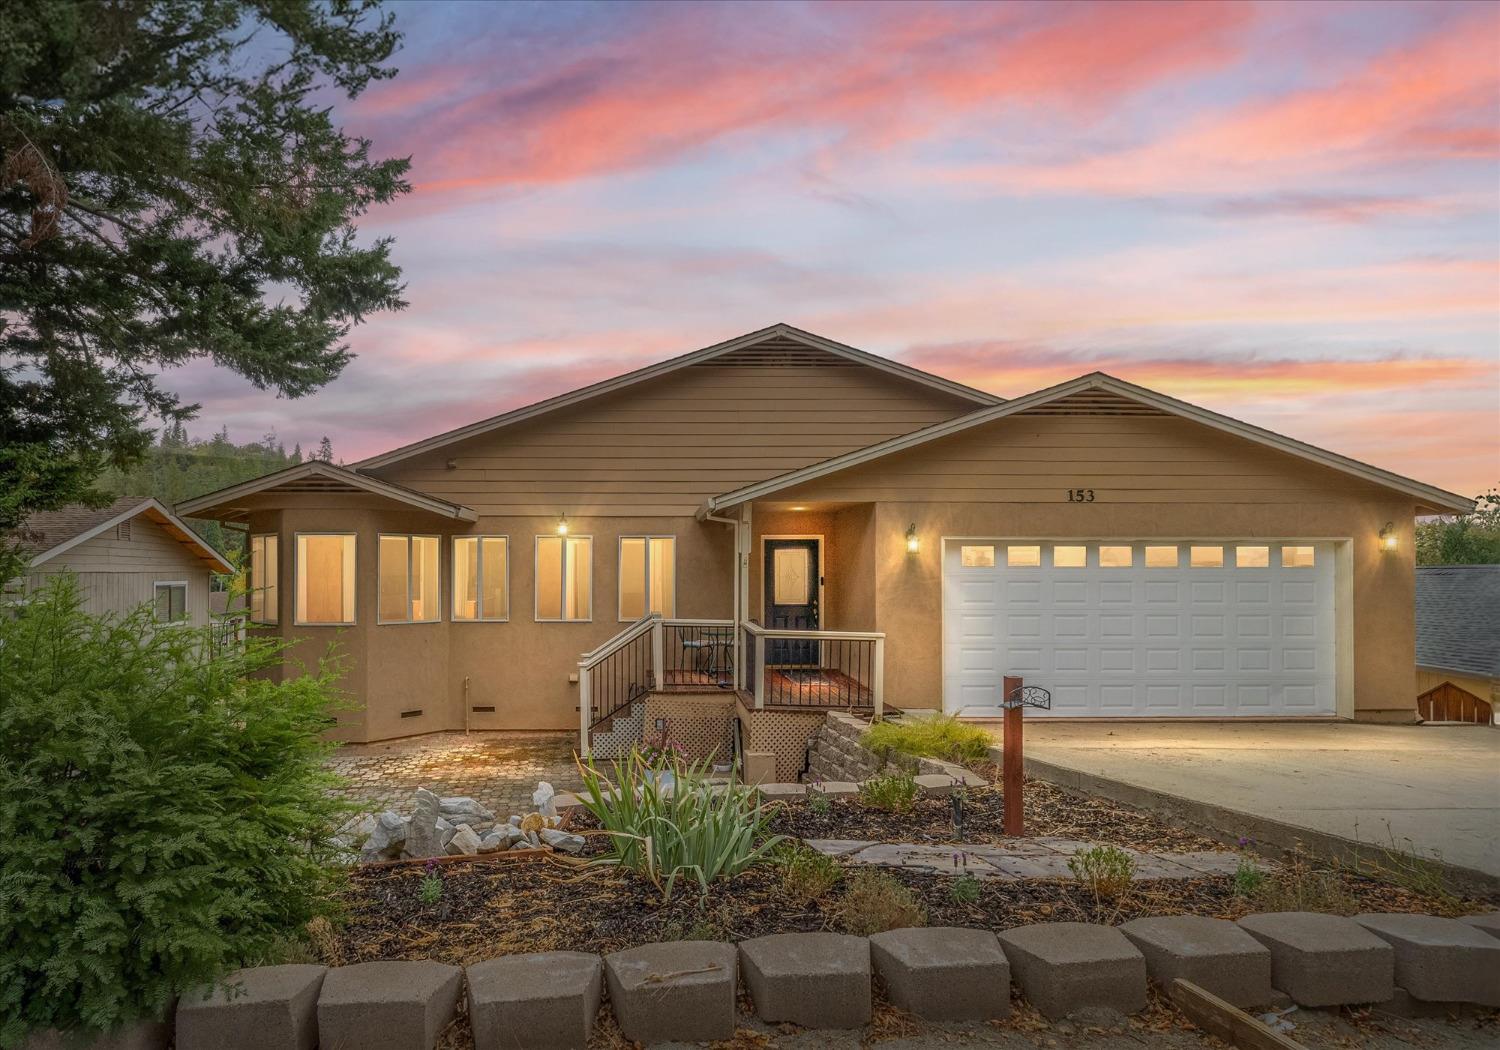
x=1286, y=212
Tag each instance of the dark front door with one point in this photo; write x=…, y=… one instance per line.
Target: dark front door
x=793, y=577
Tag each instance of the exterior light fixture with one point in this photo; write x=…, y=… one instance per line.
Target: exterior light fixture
x=913, y=544
x=1388, y=537
x=562, y=524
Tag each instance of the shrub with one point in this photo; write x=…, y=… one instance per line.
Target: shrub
x=896, y=791
x=1298, y=886
x=874, y=902
x=965, y=889
x=941, y=736
x=806, y=874
x=1104, y=870
x=691, y=829
x=818, y=803
x=1248, y=878
x=165, y=814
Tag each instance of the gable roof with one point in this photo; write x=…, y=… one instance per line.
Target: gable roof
x=47, y=534
x=317, y=476
x=776, y=332
x=1427, y=495
x=1458, y=618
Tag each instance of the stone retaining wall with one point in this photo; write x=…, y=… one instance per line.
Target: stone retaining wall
x=687, y=990
x=838, y=754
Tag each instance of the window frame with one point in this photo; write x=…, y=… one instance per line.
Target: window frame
x=646, y=588
x=410, y=553
x=536, y=575
x=297, y=621
x=479, y=539
x=156, y=586
x=273, y=584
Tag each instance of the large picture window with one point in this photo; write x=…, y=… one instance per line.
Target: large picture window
x=408, y=579
x=325, y=578
x=648, y=576
x=481, y=578
x=265, y=565
x=564, y=578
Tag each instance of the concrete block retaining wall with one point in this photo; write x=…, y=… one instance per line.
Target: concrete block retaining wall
x=684, y=991
x=838, y=755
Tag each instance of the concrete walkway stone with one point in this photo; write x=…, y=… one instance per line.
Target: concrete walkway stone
x=263, y=1008
x=817, y=980
x=835, y=788
x=781, y=791
x=1016, y=859
x=1065, y=967
x=1324, y=960
x=1438, y=959
x=387, y=1005
x=1214, y=954
x=944, y=973
x=545, y=1000
x=680, y=991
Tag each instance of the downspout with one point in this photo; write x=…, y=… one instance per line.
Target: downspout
x=734, y=615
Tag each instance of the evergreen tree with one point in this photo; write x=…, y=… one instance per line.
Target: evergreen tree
x=164, y=165
x=325, y=450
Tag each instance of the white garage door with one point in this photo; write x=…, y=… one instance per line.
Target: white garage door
x=1115, y=629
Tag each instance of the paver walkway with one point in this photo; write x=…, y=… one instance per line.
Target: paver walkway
x=1032, y=858
x=501, y=770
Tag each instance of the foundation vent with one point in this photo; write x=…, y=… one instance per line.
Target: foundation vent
x=1093, y=403
x=485, y=710
x=411, y=714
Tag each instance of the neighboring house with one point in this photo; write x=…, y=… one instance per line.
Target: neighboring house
x=1135, y=554
x=1458, y=642
x=132, y=552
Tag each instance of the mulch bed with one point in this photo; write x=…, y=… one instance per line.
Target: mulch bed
x=1049, y=811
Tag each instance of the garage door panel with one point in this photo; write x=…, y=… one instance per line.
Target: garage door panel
x=1153, y=636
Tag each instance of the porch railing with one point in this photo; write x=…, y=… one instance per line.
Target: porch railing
x=818, y=669
x=649, y=654
x=225, y=633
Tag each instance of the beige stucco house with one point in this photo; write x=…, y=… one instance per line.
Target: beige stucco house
x=786, y=523
x=131, y=553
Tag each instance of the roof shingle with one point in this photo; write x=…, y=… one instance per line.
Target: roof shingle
x=1458, y=618
x=46, y=529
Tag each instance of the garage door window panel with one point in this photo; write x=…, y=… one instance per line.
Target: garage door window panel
x=1206, y=557
x=1297, y=558
x=1111, y=557
x=1162, y=558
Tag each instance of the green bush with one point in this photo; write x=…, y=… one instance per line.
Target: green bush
x=164, y=815
x=806, y=874
x=692, y=829
x=941, y=736
x=895, y=792
x=874, y=902
x=1105, y=871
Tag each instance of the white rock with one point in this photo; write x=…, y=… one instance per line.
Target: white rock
x=515, y=821
x=562, y=840
x=464, y=841
x=542, y=799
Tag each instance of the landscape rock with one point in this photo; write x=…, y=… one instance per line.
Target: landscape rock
x=355, y=831
x=551, y=997
x=542, y=798
x=562, y=840
x=817, y=980
x=387, y=839
x=464, y=842
x=1214, y=954
x=944, y=974
x=380, y=1005
x=266, y=1006
x=679, y=991
x=501, y=838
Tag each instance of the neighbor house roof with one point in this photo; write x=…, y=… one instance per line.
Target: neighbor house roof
x=1427, y=496
x=640, y=375
x=1458, y=618
x=47, y=534
x=317, y=476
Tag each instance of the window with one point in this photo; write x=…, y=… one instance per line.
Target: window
x=1023, y=557
x=325, y=578
x=1206, y=557
x=265, y=567
x=1116, y=557
x=1296, y=557
x=564, y=578
x=977, y=557
x=481, y=578
x=791, y=569
x=170, y=603
x=408, y=579
x=1252, y=557
x=1161, y=557
x=648, y=576
x=1070, y=557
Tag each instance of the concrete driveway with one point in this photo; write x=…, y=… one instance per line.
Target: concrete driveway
x=1434, y=790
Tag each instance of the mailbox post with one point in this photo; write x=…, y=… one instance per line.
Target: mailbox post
x=1016, y=696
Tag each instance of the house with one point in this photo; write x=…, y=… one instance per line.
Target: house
x=1458, y=642
x=782, y=523
x=132, y=552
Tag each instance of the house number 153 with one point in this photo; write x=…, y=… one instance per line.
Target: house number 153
x=1080, y=495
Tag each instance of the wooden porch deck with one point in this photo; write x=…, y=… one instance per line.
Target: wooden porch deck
x=785, y=687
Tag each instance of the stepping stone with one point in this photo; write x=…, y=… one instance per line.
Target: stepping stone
x=1159, y=866
x=1324, y=960
x=934, y=785
x=781, y=791
x=388, y=1005
x=1040, y=866
x=1214, y=954
x=265, y=1006
x=1211, y=862
x=944, y=974
x=837, y=847
x=1488, y=923
x=1065, y=967
x=938, y=859
x=680, y=991
x=816, y=980
x=1440, y=960
x=835, y=788
x=553, y=997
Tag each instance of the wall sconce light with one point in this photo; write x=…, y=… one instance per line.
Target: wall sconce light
x=913, y=544
x=562, y=524
x=1388, y=537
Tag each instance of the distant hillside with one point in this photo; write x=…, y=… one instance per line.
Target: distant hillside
x=180, y=467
